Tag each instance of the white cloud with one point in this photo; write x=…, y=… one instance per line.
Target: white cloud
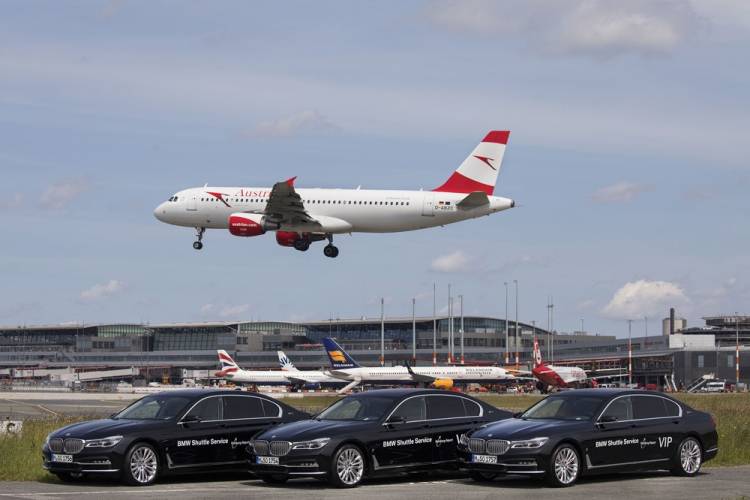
x=102, y=291
x=207, y=308
x=11, y=202
x=61, y=193
x=599, y=28
x=305, y=122
x=644, y=298
x=234, y=311
x=620, y=192
x=451, y=263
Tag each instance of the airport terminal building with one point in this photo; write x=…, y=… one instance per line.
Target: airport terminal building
x=161, y=352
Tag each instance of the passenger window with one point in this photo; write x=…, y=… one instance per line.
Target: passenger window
x=621, y=409
x=270, y=409
x=208, y=409
x=673, y=409
x=412, y=410
x=239, y=407
x=649, y=407
x=471, y=408
x=444, y=407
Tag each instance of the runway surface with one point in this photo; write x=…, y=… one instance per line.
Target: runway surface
x=15, y=408
x=712, y=483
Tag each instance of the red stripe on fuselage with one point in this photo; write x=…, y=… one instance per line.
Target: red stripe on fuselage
x=458, y=183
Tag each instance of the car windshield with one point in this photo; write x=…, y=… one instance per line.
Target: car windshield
x=564, y=408
x=154, y=408
x=364, y=408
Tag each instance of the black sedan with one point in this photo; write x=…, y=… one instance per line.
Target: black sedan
x=371, y=433
x=592, y=431
x=170, y=432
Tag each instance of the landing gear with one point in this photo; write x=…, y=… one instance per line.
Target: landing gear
x=302, y=244
x=199, y=234
x=330, y=250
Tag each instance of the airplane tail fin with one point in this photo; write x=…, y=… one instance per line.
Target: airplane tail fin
x=479, y=170
x=285, y=362
x=537, y=354
x=228, y=365
x=337, y=355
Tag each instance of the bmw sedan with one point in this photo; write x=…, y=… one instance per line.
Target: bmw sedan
x=590, y=431
x=170, y=432
x=371, y=433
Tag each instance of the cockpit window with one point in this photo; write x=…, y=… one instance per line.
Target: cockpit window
x=175, y=199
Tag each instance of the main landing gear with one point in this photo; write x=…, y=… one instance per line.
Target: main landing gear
x=330, y=250
x=199, y=234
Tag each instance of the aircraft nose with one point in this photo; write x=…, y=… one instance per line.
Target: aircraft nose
x=160, y=212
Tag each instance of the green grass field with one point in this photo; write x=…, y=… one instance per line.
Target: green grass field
x=20, y=455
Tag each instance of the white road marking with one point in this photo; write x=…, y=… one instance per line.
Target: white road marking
x=30, y=404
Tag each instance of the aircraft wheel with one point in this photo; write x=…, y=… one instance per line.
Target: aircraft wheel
x=197, y=245
x=330, y=251
x=301, y=245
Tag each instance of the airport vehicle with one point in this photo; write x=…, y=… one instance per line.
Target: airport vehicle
x=715, y=386
x=589, y=431
x=566, y=376
x=440, y=377
x=378, y=432
x=170, y=432
x=306, y=377
x=302, y=217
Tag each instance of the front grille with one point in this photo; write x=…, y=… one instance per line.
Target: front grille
x=476, y=445
x=260, y=447
x=497, y=446
x=56, y=445
x=73, y=446
x=280, y=448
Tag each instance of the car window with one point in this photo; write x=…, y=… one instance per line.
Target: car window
x=471, y=408
x=239, y=407
x=649, y=407
x=620, y=408
x=444, y=407
x=357, y=407
x=154, y=408
x=207, y=409
x=271, y=409
x=411, y=410
x=564, y=408
x=673, y=409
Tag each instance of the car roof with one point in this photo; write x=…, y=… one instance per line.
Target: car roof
x=605, y=393
x=403, y=392
x=200, y=392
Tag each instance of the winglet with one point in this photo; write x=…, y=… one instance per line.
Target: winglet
x=290, y=182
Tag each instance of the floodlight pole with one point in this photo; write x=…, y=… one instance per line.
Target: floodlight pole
x=507, y=346
x=413, y=331
x=461, y=332
x=382, y=331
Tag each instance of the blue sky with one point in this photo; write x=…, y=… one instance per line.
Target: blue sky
x=628, y=155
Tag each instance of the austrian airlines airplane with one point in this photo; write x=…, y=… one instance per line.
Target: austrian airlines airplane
x=440, y=377
x=301, y=217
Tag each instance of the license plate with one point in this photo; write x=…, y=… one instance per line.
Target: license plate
x=484, y=459
x=267, y=460
x=66, y=459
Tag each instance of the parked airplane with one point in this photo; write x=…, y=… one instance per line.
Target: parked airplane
x=565, y=376
x=440, y=377
x=306, y=377
x=231, y=371
x=301, y=217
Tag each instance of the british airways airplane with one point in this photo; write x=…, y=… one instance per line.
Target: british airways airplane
x=303, y=216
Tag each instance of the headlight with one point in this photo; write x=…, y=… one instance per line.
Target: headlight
x=529, y=444
x=463, y=440
x=315, y=444
x=106, y=442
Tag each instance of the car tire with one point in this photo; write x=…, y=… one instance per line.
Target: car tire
x=347, y=467
x=482, y=477
x=274, y=478
x=70, y=477
x=688, y=458
x=141, y=465
x=564, y=466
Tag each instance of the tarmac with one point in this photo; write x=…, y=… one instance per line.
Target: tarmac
x=712, y=483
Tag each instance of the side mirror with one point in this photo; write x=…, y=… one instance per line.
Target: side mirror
x=517, y=414
x=190, y=419
x=395, y=420
x=607, y=419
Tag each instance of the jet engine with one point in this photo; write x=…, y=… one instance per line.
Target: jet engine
x=443, y=383
x=242, y=224
x=300, y=241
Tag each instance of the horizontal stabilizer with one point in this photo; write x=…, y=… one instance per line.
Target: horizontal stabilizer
x=473, y=200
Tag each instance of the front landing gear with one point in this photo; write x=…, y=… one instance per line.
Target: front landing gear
x=330, y=250
x=199, y=234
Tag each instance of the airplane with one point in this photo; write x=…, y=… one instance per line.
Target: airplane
x=306, y=377
x=564, y=376
x=440, y=377
x=301, y=217
x=232, y=372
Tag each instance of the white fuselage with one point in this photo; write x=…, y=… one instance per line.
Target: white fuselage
x=267, y=377
x=311, y=376
x=400, y=374
x=340, y=210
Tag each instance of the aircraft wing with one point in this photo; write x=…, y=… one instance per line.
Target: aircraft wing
x=285, y=205
x=417, y=377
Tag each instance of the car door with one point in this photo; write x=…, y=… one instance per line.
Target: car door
x=244, y=415
x=193, y=442
x=449, y=416
x=658, y=421
x=404, y=438
x=615, y=439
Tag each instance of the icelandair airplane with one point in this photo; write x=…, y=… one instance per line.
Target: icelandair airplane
x=440, y=377
x=306, y=377
x=564, y=376
x=301, y=217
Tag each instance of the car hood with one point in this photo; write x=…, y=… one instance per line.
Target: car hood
x=517, y=428
x=94, y=429
x=312, y=429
